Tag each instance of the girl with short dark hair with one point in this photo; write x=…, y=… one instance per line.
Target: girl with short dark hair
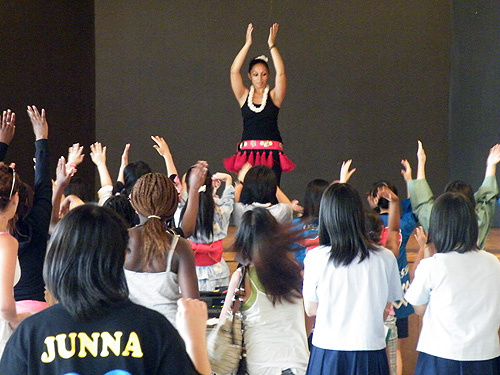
x=457, y=290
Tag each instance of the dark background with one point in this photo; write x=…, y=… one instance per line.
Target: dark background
x=366, y=80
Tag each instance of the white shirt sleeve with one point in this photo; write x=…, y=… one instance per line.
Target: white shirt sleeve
x=419, y=291
x=311, y=276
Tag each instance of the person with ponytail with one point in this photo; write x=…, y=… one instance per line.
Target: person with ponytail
x=10, y=270
x=273, y=311
x=159, y=266
x=211, y=228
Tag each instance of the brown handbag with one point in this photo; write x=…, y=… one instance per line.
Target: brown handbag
x=225, y=343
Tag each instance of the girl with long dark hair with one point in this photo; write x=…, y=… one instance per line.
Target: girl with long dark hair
x=274, y=321
x=349, y=283
x=211, y=228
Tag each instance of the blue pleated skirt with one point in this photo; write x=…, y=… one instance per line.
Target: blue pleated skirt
x=430, y=365
x=334, y=362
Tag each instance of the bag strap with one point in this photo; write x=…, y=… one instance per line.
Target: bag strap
x=239, y=292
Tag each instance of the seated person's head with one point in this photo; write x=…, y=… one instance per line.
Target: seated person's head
x=462, y=187
x=83, y=267
x=122, y=206
x=133, y=172
x=79, y=187
x=259, y=186
x=374, y=225
x=312, y=197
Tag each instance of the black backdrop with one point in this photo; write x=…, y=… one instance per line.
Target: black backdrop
x=366, y=80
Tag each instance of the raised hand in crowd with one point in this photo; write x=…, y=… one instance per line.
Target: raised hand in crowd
x=123, y=164
x=39, y=122
x=7, y=126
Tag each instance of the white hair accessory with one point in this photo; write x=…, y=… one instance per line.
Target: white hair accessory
x=154, y=217
x=262, y=57
x=202, y=189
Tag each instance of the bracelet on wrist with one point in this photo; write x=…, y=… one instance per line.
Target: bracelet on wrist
x=273, y=46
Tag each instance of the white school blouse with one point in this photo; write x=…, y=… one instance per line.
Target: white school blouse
x=462, y=293
x=351, y=299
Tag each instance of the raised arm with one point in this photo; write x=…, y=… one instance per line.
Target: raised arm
x=98, y=156
x=162, y=147
x=63, y=178
x=196, y=180
x=492, y=161
x=393, y=226
x=7, y=130
x=422, y=158
x=406, y=173
x=123, y=164
x=420, y=192
x=75, y=157
x=345, y=173
x=425, y=250
x=239, y=89
x=487, y=195
x=241, y=178
x=41, y=211
x=279, y=91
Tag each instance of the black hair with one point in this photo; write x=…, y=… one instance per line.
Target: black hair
x=132, y=172
x=259, y=186
x=206, y=207
x=84, y=263
x=263, y=241
x=79, y=186
x=312, y=197
x=122, y=206
x=382, y=202
x=453, y=224
x=255, y=61
x=462, y=187
x=342, y=225
x=374, y=225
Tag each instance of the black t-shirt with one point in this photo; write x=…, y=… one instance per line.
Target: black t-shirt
x=131, y=339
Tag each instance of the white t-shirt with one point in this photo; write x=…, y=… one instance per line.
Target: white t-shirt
x=462, y=293
x=282, y=212
x=351, y=299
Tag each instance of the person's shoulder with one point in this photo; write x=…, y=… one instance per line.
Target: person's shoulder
x=182, y=245
x=488, y=257
x=8, y=241
x=319, y=253
x=54, y=313
x=384, y=252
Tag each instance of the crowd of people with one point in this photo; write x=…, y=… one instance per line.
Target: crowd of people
x=112, y=285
